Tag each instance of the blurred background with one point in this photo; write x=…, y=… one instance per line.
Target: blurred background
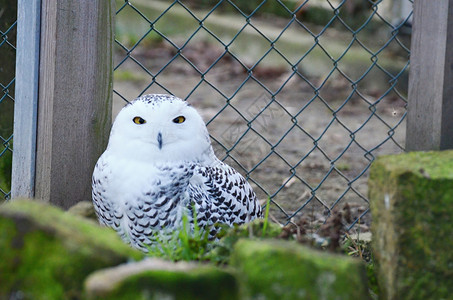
x=298, y=96
x=8, y=16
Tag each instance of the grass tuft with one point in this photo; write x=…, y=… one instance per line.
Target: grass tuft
x=184, y=244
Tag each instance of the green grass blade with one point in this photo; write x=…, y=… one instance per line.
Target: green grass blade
x=266, y=215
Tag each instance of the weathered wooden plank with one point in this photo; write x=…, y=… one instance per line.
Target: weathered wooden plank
x=26, y=98
x=430, y=108
x=75, y=96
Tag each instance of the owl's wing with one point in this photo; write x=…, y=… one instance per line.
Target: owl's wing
x=222, y=195
x=103, y=208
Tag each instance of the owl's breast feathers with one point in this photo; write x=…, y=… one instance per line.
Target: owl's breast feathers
x=153, y=198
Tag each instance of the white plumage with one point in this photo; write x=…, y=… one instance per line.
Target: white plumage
x=159, y=165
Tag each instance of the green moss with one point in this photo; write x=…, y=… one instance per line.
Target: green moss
x=47, y=253
x=287, y=270
x=23, y=269
x=412, y=202
x=433, y=164
x=199, y=283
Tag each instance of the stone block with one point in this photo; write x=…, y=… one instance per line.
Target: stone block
x=411, y=198
x=156, y=279
x=47, y=253
x=276, y=269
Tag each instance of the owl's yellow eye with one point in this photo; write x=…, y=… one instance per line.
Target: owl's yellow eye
x=138, y=120
x=179, y=120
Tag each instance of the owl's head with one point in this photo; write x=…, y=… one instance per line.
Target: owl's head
x=160, y=128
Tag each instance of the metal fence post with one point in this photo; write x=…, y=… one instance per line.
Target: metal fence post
x=75, y=97
x=430, y=109
x=26, y=101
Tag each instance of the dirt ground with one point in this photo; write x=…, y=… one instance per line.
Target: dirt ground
x=307, y=148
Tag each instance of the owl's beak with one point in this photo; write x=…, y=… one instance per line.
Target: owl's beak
x=159, y=140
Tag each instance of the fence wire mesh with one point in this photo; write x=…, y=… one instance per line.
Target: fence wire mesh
x=7, y=71
x=299, y=96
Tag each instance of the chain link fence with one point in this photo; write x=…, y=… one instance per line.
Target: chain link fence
x=299, y=96
x=7, y=70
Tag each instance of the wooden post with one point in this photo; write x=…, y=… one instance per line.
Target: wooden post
x=75, y=97
x=26, y=100
x=430, y=108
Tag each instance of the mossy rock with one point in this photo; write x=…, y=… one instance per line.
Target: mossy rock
x=411, y=198
x=156, y=279
x=47, y=253
x=84, y=209
x=257, y=229
x=276, y=269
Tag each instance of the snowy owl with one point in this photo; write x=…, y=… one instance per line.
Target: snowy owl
x=159, y=165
